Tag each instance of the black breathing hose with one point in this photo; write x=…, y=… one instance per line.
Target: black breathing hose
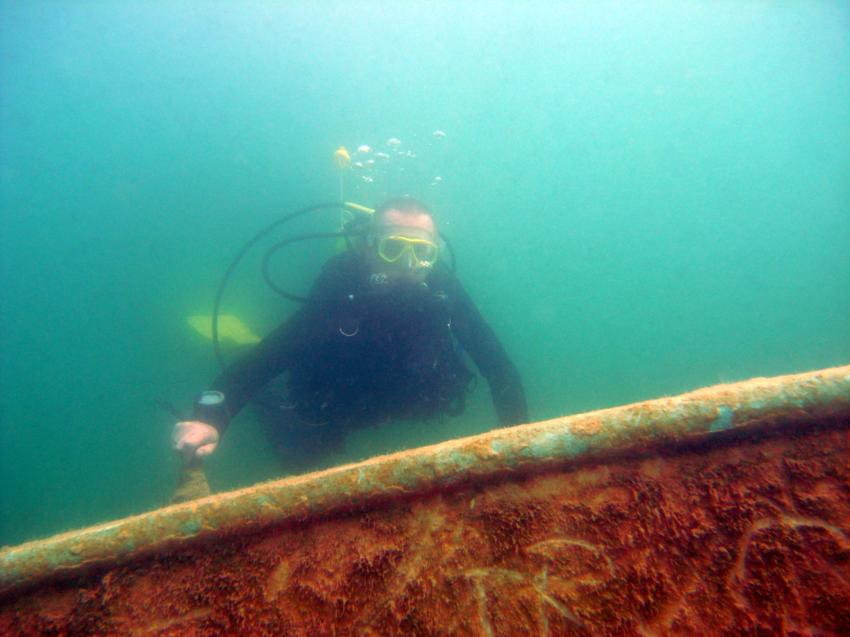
x=271, y=251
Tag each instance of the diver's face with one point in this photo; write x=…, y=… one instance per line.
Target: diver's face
x=404, y=245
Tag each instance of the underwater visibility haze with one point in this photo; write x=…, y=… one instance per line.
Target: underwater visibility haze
x=643, y=198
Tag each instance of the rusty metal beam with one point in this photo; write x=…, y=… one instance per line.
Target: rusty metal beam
x=725, y=410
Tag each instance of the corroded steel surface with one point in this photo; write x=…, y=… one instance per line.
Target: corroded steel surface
x=752, y=405
x=723, y=510
x=744, y=539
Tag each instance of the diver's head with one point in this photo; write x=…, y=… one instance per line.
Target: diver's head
x=403, y=239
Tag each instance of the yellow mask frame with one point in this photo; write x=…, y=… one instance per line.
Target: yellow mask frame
x=393, y=247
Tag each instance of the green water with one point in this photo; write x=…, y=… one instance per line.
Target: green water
x=644, y=198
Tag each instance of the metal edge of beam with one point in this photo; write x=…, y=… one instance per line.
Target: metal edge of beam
x=756, y=403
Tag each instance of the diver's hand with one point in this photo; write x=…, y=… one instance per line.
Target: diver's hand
x=194, y=439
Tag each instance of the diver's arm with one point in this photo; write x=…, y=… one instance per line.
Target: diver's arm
x=274, y=354
x=243, y=378
x=480, y=342
x=199, y=436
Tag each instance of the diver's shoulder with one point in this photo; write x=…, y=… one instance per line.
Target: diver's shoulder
x=345, y=260
x=343, y=269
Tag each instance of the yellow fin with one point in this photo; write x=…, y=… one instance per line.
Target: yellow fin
x=230, y=328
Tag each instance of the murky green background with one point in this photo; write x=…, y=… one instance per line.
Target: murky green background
x=644, y=198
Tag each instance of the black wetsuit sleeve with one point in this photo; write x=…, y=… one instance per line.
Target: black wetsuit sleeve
x=479, y=340
x=275, y=353
x=242, y=379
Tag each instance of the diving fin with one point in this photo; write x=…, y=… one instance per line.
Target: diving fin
x=230, y=328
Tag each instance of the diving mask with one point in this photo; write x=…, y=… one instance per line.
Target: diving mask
x=394, y=247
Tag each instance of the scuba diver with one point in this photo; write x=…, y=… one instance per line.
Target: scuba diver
x=380, y=336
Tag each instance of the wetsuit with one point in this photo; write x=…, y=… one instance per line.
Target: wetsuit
x=364, y=349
